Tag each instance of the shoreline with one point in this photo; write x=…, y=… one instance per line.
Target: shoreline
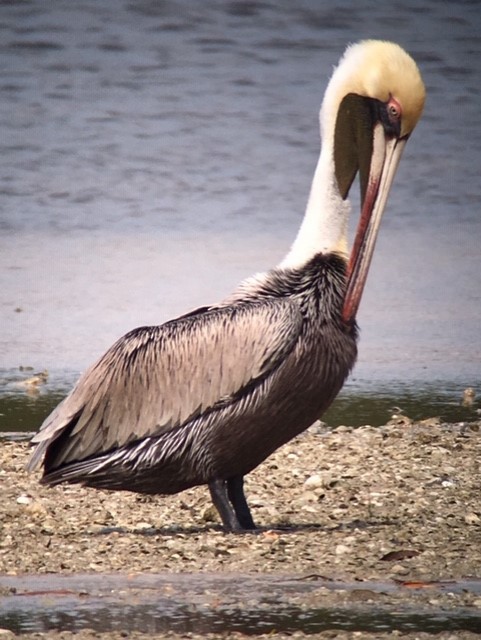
x=28, y=397
x=392, y=503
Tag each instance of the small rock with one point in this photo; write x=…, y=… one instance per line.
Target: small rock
x=36, y=509
x=342, y=549
x=24, y=499
x=471, y=518
x=342, y=429
x=318, y=427
x=399, y=569
x=435, y=421
x=363, y=595
x=314, y=481
x=209, y=514
x=307, y=508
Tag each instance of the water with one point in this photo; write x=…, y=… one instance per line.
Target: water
x=23, y=409
x=205, y=603
x=155, y=153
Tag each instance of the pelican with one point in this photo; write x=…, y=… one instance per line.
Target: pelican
x=206, y=397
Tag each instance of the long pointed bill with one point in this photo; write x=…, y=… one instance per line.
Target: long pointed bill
x=386, y=153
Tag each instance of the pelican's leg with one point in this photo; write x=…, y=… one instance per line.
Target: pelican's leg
x=220, y=498
x=235, y=490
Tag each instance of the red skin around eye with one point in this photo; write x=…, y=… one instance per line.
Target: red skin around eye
x=394, y=104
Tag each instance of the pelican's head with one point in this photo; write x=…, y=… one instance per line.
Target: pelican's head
x=382, y=73
x=371, y=106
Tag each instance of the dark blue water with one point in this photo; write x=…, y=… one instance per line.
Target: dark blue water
x=155, y=153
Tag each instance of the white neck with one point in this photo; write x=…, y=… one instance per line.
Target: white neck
x=324, y=227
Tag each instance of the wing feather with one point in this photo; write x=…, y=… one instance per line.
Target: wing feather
x=157, y=378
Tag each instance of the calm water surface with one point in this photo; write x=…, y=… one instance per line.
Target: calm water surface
x=155, y=153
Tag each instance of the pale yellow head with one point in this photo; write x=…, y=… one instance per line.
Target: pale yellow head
x=380, y=70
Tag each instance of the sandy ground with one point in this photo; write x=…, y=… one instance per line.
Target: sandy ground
x=395, y=502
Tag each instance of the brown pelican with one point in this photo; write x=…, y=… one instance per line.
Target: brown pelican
x=205, y=398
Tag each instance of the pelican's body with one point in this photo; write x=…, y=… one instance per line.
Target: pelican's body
x=204, y=398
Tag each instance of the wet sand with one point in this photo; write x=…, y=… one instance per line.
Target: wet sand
x=397, y=504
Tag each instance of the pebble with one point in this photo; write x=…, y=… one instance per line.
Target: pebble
x=341, y=549
x=342, y=429
x=471, y=518
x=399, y=569
x=314, y=481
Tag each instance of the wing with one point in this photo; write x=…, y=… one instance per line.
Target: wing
x=157, y=378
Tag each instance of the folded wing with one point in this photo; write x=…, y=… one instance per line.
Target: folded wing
x=157, y=378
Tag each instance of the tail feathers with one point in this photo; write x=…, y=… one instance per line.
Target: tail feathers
x=88, y=472
x=136, y=467
x=103, y=472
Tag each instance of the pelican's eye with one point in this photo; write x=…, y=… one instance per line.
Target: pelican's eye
x=393, y=109
x=390, y=114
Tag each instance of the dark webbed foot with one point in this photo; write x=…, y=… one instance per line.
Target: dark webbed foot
x=229, y=500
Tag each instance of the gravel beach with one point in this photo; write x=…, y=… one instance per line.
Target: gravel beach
x=398, y=502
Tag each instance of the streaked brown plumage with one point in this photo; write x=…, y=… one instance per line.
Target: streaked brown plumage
x=204, y=398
